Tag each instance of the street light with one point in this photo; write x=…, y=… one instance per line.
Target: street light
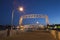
x=20, y=9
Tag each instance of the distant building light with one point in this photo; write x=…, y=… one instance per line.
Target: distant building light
x=55, y=27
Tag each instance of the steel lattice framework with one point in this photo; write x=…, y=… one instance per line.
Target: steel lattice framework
x=33, y=16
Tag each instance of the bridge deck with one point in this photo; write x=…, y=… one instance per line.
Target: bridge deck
x=37, y=35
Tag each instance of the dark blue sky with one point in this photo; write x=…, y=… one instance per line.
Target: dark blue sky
x=47, y=7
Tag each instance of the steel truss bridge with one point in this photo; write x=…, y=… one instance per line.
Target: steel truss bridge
x=33, y=16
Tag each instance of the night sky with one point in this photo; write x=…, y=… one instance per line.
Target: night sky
x=46, y=7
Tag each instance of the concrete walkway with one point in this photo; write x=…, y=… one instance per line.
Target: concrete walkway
x=36, y=35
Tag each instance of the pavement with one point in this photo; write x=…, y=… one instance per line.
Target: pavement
x=35, y=35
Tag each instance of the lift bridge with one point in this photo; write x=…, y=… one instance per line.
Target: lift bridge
x=33, y=16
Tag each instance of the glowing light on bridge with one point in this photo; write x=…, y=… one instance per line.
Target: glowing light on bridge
x=37, y=22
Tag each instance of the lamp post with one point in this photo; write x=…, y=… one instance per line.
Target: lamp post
x=10, y=28
x=21, y=9
x=12, y=19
